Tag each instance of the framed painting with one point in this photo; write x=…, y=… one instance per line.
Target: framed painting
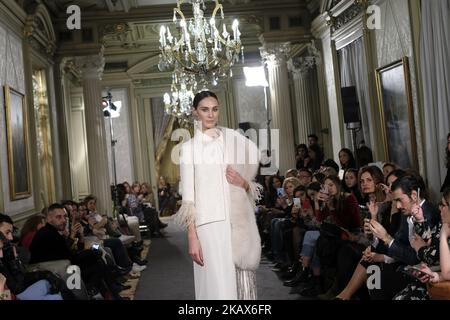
x=396, y=113
x=17, y=144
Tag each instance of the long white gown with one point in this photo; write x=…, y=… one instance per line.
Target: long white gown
x=206, y=202
x=216, y=280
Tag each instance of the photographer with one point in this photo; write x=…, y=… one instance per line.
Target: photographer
x=38, y=285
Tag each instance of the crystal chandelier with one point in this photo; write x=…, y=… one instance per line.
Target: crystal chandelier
x=197, y=52
x=179, y=102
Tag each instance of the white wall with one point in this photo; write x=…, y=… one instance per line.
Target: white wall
x=249, y=103
x=122, y=133
x=12, y=74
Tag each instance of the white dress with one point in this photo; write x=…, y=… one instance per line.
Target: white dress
x=216, y=280
x=206, y=198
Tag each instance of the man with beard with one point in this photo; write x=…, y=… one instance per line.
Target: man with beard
x=409, y=198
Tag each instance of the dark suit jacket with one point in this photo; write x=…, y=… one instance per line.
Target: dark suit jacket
x=49, y=245
x=401, y=249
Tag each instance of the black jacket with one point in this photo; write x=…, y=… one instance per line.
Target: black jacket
x=49, y=245
x=401, y=249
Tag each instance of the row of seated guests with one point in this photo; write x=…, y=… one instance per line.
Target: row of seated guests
x=78, y=233
x=137, y=207
x=324, y=234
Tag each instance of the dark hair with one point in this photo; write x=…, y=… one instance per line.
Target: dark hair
x=390, y=164
x=352, y=170
x=302, y=146
x=319, y=156
x=305, y=170
x=89, y=198
x=319, y=177
x=377, y=176
x=55, y=206
x=344, y=185
x=335, y=180
x=399, y=173
x=314, y=186
x=331, y=164
x=202, y=95
x=351, y=159
x=424, y=194
x=364, y=156
x=31, y=225
x=5, y=219
x=407, y=184
x=299, y=189
x=314, y=136
x=447, y=152
x=69, y=203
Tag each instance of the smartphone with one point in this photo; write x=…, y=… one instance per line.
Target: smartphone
x=297, y=202
x=410, y=270
x=280, y=192
x=95, y=246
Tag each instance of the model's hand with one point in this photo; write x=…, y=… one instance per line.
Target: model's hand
x=234, y=178
x=195, y=251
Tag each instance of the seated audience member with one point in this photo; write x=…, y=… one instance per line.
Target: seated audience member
x=444, y=244
x=291, y=173
x=428, y=244
x=347, y=159
x=301, y=156
x=18, y=284
x=388, y=167
x=29, y=229
x=364, y=156
x=50, y=244
x=350, y=185
x=315, y=157
x=305, y=177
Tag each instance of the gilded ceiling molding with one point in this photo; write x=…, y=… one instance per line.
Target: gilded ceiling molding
x=38, y=29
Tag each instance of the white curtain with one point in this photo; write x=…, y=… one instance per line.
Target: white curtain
x=435, y=64
x=353, y=67
x=160, y=120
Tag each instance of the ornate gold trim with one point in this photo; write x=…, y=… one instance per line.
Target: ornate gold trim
x=13, y=194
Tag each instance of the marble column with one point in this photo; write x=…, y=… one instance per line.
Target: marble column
x=274, y=56
x=301, y=74
x=91, y=68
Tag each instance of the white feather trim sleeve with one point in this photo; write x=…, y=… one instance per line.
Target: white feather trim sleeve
x=255, y=192
x=186, y=215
